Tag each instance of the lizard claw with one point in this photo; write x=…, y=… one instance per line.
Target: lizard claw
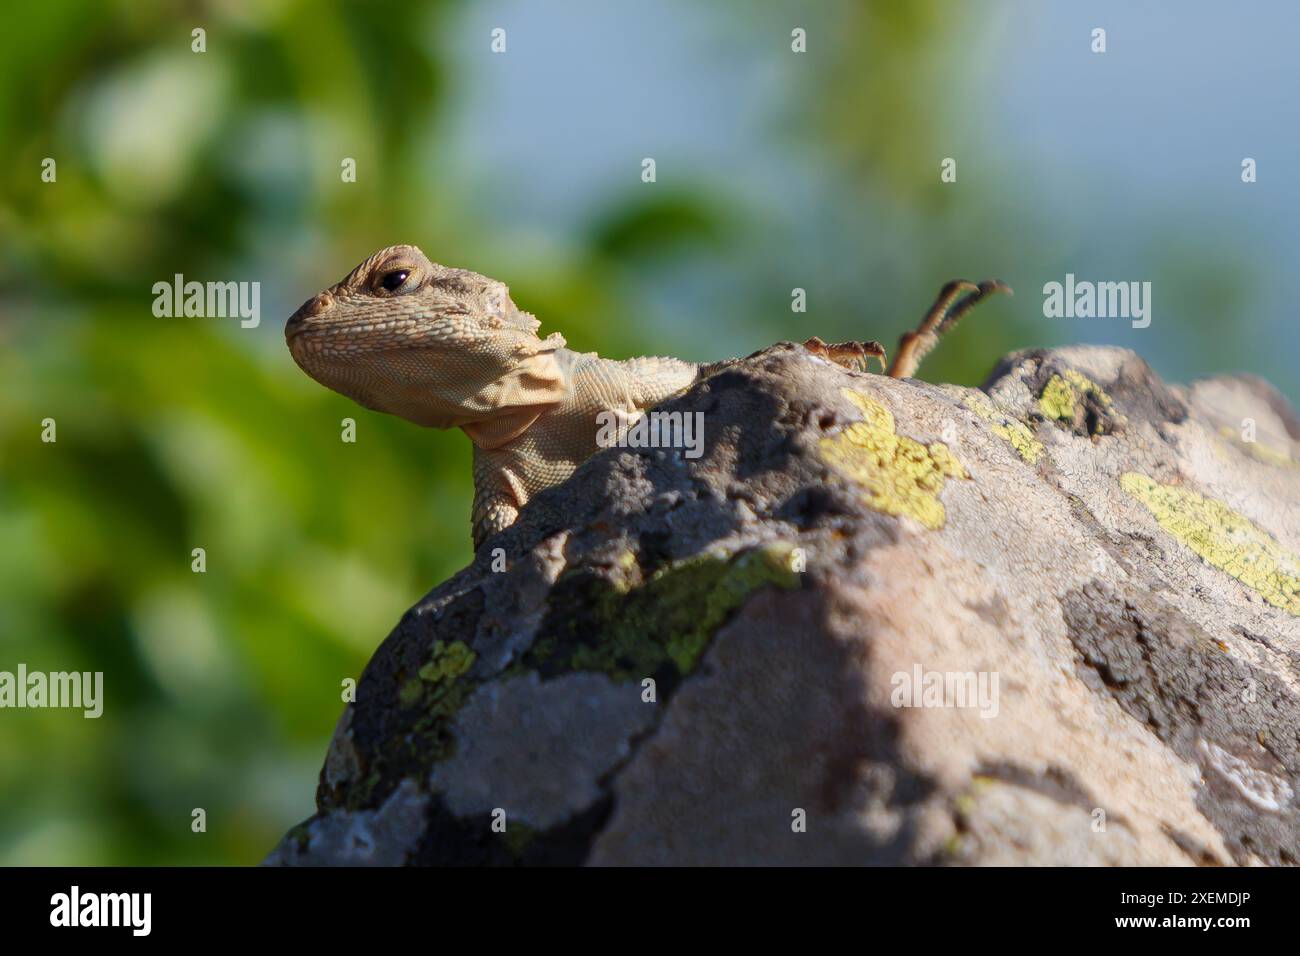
x=851, y=355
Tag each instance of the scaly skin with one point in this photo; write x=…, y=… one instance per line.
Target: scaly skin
x=447, y=348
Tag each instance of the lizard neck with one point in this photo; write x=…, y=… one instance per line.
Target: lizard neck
x=502, y=429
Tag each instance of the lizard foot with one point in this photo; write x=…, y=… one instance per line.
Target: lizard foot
x=852, y=355
x=955, y=299
x=492, y=513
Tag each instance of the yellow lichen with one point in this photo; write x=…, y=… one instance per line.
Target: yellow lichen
x=1011, y=430
x=1061, y=394
x=901, y=476
x=1057, y=400
x=1258, y=450
x=1223, y=538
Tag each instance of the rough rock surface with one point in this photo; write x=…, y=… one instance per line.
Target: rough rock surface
x=1086, y=578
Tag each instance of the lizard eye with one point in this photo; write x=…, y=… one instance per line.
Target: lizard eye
x=392, y=281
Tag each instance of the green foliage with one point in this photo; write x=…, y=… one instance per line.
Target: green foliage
x=220, y=687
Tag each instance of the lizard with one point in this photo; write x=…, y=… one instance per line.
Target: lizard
x=448, y=348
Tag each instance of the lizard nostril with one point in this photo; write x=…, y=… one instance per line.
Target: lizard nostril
x=313, y=307
x=318, y=304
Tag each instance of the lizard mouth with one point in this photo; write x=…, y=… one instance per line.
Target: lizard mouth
x=295, y=326
x=318, y=304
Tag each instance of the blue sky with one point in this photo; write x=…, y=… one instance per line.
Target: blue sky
x=1126, y=161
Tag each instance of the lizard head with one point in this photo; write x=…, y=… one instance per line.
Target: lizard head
x=405, y=335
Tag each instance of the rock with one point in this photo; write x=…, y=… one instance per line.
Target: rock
x=1052, y=621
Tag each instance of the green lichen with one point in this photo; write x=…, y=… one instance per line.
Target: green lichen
x=1016, y=433
x=436, y=683
x=410, y=693
x=1064, y=396
x=660, y=627
x=443, y=691
x=630, y=569
x=900, y=476
x=1058, y=399
x=448, y=662
x=1223, y=538
x=417, y=731
x=439, y=691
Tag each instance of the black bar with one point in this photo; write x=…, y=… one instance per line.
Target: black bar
x=213, y=906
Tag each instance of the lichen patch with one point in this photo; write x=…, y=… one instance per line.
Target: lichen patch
x=659, y=628
x=900, y=476
x=1015, y=432
x=1072, y=399
x=1223, y=538
x=1258, y=450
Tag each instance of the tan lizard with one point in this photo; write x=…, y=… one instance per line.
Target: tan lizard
x=447, y=348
